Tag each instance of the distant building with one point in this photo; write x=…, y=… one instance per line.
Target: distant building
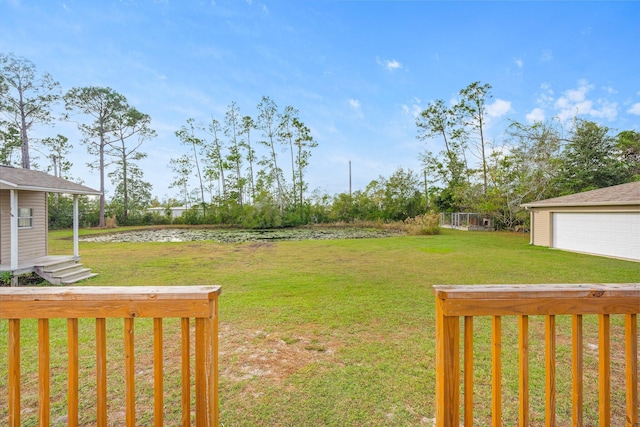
x=176, y=211
x=600, y=222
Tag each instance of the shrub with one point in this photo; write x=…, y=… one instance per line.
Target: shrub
x=426, y=224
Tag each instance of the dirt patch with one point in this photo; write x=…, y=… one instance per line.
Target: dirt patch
x=271, y=357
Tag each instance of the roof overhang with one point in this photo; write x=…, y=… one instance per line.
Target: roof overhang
x=4, y=185
x=576, y=204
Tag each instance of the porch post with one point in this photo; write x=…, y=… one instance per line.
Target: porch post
x=76, y=252
x=13, y=226
x=14, y=229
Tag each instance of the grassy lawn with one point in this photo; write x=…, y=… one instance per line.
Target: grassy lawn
x=340, y=332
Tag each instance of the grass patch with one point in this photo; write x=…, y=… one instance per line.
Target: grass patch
x=334, y=332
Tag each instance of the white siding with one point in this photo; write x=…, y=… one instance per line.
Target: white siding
x=32, y=242
x=610, y=234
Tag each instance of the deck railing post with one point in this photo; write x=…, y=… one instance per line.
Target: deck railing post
x=522, y=301
x=128, y=303
x=447, y=368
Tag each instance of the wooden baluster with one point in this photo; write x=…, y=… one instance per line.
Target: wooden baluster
x=201, y=373
x=496, y=371
x=72, y=372
x=158, y=374
x=468, y=371
x=523, y=370
x=631, y=368
x=129, y=359
x=213, y=366
x=101, y=372
x=44, y=373
x=604, y=370
x=14, y=372
x=550, y=368
x=577, y=363
x=186, y=372
x=447, y=369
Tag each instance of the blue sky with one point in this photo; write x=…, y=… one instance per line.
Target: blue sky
x=358, y=71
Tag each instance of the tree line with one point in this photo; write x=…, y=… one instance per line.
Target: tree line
x=533, y=162
x=252, y=171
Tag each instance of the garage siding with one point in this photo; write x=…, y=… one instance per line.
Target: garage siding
x=614, y=234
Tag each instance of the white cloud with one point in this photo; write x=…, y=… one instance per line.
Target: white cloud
x=354, y=103
x=635, y=109
x=579, y=94
x=546, y=56
x=519, y=62
x=389, y=64
x=536, y=115
x=608, y=110
x=574, y=102
x=414, y=109
x=499, y=108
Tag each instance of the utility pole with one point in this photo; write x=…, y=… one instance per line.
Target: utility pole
x=426, y=192
x=349, y=178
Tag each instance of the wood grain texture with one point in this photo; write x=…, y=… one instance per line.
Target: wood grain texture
x=577, y=368
x=44, y=373
x=523, y=371
x=631, y=368
x=604, y=370
x=14, y=373
x=468, y=371
x=496, y=371
x=72, y=372
x=158, y=374
x=550, y=370
x=130, y=373
x=447, y=369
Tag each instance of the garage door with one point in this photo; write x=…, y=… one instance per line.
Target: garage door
x=610, y=234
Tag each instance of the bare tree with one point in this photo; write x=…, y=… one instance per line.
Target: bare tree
x=267, y=116
x=130, y=123
x=247, y=125
x=472, y=107
x=26, y=98
x=104, y=105
x=187, y=136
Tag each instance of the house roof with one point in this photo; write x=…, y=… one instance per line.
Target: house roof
x=31, y=180
x=623, y=194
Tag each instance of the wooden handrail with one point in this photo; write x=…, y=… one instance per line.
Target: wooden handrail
x=603, y=300
x=128, y=303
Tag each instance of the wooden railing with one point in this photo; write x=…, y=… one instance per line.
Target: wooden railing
x=128, y=303
x=454, y=302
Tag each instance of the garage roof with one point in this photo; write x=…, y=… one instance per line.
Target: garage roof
x=31, y=180
x=623, y=194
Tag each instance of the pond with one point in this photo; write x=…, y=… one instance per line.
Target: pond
x=238, y=235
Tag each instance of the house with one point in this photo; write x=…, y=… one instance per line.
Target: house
x=24, y=226
x=600, y=222
x=173, y=211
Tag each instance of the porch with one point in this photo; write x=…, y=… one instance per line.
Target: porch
x=55, y=269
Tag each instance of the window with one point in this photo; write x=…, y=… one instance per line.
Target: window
x=25, y=217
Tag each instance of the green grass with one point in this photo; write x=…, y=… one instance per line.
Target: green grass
x=339, y=332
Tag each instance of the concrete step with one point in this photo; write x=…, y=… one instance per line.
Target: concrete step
x=62, y=269
x=64, y=272
x=67, y=280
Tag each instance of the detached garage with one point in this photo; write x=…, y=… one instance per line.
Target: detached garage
x=600, y=222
